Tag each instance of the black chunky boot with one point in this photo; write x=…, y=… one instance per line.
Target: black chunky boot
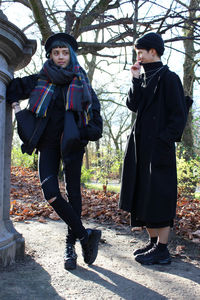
x=90, y=245
x=146, y=248
x=152, y=242
x=154, y=256
x=70, y=257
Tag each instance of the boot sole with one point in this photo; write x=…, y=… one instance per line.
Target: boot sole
x=70, y=264
x=166, y=261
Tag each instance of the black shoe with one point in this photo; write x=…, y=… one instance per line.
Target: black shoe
x=70, y=257
x=90, y=248
x=154, y=256
x=149, y=246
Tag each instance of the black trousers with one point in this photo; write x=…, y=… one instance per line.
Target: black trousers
x=49, y=163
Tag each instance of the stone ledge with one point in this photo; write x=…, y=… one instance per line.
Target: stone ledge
x=15, y=46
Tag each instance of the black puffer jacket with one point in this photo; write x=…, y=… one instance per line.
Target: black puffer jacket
x=21, y=88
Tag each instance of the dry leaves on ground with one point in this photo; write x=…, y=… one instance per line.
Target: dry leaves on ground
x=188, y=218
x=27, y=202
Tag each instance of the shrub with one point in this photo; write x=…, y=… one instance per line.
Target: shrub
x=86, y=174
x=25, y=160
x=188, y=173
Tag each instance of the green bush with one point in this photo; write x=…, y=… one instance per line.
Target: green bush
x=188, y=173
x=108, y=165
x=86, y=174
x=20, y=159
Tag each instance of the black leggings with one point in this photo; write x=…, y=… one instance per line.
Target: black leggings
x=49, y=162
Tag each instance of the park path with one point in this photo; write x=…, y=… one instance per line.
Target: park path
x=114, y=275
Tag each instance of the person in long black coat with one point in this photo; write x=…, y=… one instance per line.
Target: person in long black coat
x=62, y=116
x=149, y=177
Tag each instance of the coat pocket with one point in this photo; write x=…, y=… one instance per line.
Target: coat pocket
x=163, y=153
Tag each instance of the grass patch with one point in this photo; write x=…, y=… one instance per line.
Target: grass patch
x=99, y=187
x=197, y=195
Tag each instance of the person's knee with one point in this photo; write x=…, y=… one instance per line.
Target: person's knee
x=50, y=188
x=52, y=200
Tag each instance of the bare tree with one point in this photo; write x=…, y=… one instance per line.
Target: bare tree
x=119, y=21
x=106, y=29
x=190, y=30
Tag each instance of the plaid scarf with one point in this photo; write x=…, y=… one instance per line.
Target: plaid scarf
x=77, y=96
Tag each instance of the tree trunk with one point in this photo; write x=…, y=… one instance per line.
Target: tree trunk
x=97, y=144
x=41, y=19
x=189, y=78
x=87, y=163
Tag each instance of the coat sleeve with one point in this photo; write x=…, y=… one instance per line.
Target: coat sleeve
x=20, y=88
x=134, y=95
x=93, y=131
x=176, y=109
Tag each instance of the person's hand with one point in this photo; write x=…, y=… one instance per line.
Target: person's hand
x=135, y=70
x=16, y=107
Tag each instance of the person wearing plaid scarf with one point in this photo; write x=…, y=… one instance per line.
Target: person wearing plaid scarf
x=77, y=89
x=64, y=105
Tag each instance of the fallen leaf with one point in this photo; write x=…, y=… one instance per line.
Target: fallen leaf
x=42, y=220
x=197, y=241
x=54, y=216
x=196, y=233
x=136, y=229
x=180, y=249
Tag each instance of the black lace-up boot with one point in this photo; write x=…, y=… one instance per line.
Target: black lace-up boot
x=154, y=256
x=70, y=257
x=146, y=248
x=152, y=242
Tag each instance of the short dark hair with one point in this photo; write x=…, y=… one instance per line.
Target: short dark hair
x=57, y=44
x=149, y=41
x=148, y=48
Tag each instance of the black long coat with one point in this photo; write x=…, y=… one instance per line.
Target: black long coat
x=149, y=177
x=21, y=88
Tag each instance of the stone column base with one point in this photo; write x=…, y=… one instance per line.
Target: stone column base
x=12, y=244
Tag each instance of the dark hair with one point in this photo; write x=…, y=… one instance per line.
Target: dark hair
x=57, y=44
x=147, y=49
x=149, y=41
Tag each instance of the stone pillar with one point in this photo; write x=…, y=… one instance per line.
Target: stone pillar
x=15, y=53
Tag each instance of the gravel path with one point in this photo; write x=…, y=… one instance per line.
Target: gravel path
x=114, y=275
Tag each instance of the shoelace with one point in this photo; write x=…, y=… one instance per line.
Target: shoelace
x=70, y=252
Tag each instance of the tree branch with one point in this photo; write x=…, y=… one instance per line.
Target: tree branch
x=91, y=16
x=41, y=19
x=23, y=2
x=102, y=25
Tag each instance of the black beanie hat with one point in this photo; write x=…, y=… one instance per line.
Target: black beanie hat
x=61, y=36
x=149, y=41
